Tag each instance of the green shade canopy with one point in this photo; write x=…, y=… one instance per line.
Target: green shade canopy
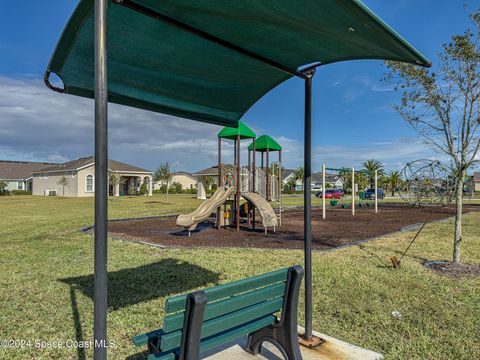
x=231, y=133
x=264, y=143
x=155, y=64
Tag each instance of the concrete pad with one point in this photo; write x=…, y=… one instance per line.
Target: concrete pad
x=331, y=349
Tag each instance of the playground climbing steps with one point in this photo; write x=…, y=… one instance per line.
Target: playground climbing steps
x=190, y=221
x=269, y=218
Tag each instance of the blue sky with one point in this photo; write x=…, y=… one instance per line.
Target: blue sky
x=353, y=118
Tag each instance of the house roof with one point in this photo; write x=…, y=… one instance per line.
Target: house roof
x=211, y=171
x=19, y=170
x=80, y=163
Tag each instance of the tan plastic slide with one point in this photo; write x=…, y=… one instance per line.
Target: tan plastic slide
x=269, y=218
x=190, y=221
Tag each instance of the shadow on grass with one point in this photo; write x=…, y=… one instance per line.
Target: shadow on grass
x=136, y=285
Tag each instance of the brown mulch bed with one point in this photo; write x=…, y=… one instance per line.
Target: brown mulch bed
x=447, y=268
x=340, y=228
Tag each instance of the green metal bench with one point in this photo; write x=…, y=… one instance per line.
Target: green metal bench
x=203, y=320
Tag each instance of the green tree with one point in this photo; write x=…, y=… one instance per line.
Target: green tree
x=393, y=179
x=345, y=176
x=209, y=181
x=3, y=187
x=371, y=166
x=143, y=188
x=176, y=187
x=163, y=174
x=64, y=181
x=114, y=180
x=442, y=105
x=292, y=183
x=299, y=175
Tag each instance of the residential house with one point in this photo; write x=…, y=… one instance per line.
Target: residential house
x=79, y=178
x=186, y=179
x=331, y=180
x=18, y=174
x=476, y=180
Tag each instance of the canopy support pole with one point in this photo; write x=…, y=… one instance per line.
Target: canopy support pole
x=101, y=181
x=307, y=198
x=204, y=35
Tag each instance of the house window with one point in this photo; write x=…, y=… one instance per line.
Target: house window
x=20, y=185
x=89, y=183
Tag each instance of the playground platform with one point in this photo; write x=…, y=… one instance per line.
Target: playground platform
x=331, y=349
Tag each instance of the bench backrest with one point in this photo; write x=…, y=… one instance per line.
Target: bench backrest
x=228, y=306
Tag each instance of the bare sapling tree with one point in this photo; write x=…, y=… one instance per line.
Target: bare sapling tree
x=64, y=181
x=164, y=175
x=443, y=107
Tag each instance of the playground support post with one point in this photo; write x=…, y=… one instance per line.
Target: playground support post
x=307, y=198
x=267, y=176
x=376, y=191
x=219, y=181
x=254, y=174
x=353, y=191
x=101, y=181
x=237, y=197
x=324, y=210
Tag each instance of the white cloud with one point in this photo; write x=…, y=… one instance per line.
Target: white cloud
x=38, y=124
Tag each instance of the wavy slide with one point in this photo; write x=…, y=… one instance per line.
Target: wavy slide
x=190, y=221
x=269, y=218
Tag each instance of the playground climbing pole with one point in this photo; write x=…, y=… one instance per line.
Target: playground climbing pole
x=376, y=191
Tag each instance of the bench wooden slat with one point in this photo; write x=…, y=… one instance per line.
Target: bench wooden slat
x=175, y=322
x=209, y=328
x=228, y=336
x=177, y=303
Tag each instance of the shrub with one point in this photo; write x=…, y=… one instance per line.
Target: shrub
x=143, y=189
x=21, y=192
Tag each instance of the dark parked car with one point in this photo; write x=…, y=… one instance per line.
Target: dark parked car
x=331, y=194
x=370, y=194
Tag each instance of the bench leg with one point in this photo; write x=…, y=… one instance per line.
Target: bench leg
x=283, y=334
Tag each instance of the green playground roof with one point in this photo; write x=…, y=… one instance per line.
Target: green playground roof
x=264, y=143
x=231, y=133
x=211, y=60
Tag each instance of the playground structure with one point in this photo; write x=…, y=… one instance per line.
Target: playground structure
x=257, y=185
x=350, y=172
x=427, y=183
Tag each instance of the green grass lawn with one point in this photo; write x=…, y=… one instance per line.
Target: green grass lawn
x=46, y=283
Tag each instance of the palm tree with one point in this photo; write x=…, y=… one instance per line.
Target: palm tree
x=393, y=179
x=299, y=174
x=371, y=166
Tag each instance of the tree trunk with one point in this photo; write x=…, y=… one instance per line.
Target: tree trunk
x=458, y=218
